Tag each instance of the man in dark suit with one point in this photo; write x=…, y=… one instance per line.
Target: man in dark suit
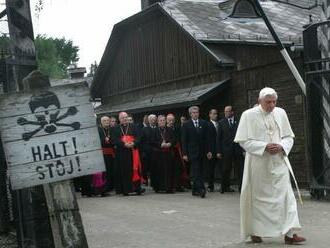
x=195, y=148
x=213, y=125
x=147, y=135
x=230, y=152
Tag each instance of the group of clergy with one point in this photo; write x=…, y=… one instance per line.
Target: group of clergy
x=158, y=152
x=168, y=157
x=140, y=155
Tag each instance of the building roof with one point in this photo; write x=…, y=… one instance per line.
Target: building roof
x=166, y=100
x=210, y=19
x=208, y=23
x=56, y=82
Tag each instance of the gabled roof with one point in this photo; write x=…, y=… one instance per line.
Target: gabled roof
x=210, y=19
x=119, y=30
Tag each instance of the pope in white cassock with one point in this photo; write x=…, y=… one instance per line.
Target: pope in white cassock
x=268, y=206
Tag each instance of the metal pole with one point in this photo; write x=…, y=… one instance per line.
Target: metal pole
x=283, y=51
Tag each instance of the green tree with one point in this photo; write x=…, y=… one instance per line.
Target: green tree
x=47, y=57
x=68, y=53
x=55, y=55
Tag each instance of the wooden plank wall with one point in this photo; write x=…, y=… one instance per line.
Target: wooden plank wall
x=155, y=51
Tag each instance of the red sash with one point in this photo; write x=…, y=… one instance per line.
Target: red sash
x=166, y=149
x=136, y=158
x=109, y=151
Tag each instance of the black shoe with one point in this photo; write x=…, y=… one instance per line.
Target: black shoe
x=105, y=194
x=210, y=188
x=125, y=194
x=86, y=194
x=140, y=191
x=202, y=193
x=227, y=190
x=195, y=193
x=180, y=189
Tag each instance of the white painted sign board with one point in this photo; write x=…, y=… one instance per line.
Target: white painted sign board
x=50, y=135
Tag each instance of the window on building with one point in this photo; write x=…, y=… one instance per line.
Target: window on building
x=245, y=9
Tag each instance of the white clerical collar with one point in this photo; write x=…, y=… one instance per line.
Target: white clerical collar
x=263, y=111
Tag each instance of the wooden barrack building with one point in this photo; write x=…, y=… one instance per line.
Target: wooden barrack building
x=212, y=53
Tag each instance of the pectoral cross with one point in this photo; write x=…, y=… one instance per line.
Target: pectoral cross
x=269, y=122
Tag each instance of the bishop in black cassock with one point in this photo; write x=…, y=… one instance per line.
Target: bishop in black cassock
x=128, y=167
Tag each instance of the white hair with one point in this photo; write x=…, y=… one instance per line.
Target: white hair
x=267, y=92
x=152, y=116
x=193, y=108
x=104, y=117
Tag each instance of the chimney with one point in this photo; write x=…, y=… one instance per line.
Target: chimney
x=146, y=3
x=76, y=72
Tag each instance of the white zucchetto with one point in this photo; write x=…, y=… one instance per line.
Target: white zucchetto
x=267, y=91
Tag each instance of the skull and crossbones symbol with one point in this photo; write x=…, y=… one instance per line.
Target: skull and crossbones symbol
x=46, y=108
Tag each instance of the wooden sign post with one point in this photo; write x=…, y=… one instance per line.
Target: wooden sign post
x=50, y=135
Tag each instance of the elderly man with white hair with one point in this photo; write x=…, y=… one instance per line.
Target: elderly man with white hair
x=128, y=167
x=268, y=205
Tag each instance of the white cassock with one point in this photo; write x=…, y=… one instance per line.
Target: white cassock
x=268, y=206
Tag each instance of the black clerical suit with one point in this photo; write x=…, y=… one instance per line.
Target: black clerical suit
x=213, y=140
x=231, y=152
x=181, y=168
x=125, y=180
x=194, y=140
x=108, y=154
x=147, y=156
x=165, y=168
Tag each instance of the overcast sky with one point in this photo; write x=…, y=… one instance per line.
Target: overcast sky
x=88, y=23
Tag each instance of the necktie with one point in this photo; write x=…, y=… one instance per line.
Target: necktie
x=231, y=122
x=196, y=124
